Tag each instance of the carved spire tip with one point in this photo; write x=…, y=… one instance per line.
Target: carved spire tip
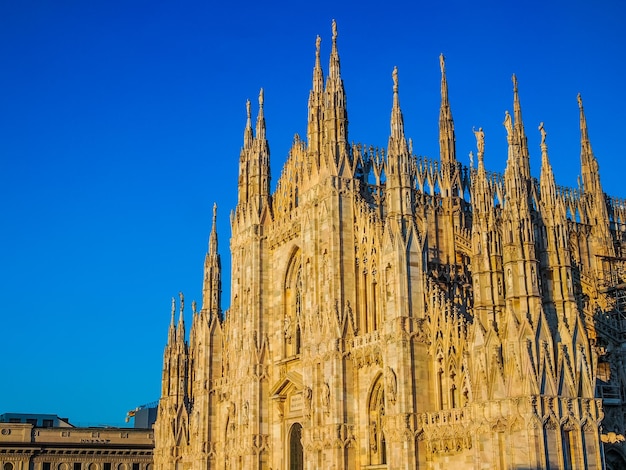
x=442, y=63
x=261, y=98
x=248, y=109
x=334, y=28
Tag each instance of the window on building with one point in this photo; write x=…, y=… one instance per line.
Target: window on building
x=8, y=466
x=48, y=423
x=32, y=421
x=135, y=466
x=45, y=466
x=106, y=466
x=77, y=465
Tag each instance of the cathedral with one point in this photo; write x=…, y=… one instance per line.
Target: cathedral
x=390, y=311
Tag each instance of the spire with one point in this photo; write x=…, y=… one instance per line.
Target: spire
x=520, y=134
x=589, y=164
x=318, y=74
x=333, y=67
x=260, y=120
x=335, y=114
x=212, y=285
x=180, y=329
x=171, y=335
x=397, y=122
x=247, y=135
x=398, y=177
x=547, y=183
x=213, y=236
x=447, y=149
x=316, y=105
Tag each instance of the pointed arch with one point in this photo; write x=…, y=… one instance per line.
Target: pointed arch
x=292, y=304
x=296, y=450
x=377, y=445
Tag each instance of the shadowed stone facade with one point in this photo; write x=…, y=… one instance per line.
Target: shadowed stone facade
x=390, y=311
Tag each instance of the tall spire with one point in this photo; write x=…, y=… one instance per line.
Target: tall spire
x=446, y=124
x=171, y=335
x=335, y=113
x=547, y=182
x=398, y=173
x=212, y=285
x=318, y=73
x=180, y=329
x=520, y=134
x=316, y=105
x=397, y=122
x=589, y=164
x=247, y=135
x=260, y=120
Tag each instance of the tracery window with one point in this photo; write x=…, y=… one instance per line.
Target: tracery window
x=376, y=414
x=293, y=301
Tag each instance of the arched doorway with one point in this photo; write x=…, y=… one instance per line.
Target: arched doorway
x=296, y=452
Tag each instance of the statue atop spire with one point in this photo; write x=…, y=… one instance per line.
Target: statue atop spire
x=394, y=76
x=334, y=27
x=543, y=134
x=480, y=141
x=442, y=63
x=508, y=125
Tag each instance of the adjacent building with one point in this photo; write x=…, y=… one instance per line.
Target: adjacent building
x=47, y=442
x=389, y=311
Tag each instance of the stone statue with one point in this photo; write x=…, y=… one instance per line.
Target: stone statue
x=326, y=397
x=508, y=124
x=334, y=30
x=318, y=43
x=394, y=75
x=391, y=386
x=373, y=437
x=471, y=159
x=307, y=395
x=480, y=139
x=182, y=302
x=543, y=134
x=442, y=63
x=246, y=413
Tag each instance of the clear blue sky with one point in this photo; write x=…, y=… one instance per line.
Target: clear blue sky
x=121, y=124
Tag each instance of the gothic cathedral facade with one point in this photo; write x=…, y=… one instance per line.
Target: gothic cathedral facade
x=389, y=311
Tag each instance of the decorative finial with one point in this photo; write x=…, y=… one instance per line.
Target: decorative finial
x=580, y=101
x=410, y=146
x=248, y=109
x=394, y=75
x=334, y=31
x=442, y=63
x=182, y=302
x=261, y=99
x=173, y=307
x=318, y=43
x=543, y=134
x=471, y=158
x=514, y=78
